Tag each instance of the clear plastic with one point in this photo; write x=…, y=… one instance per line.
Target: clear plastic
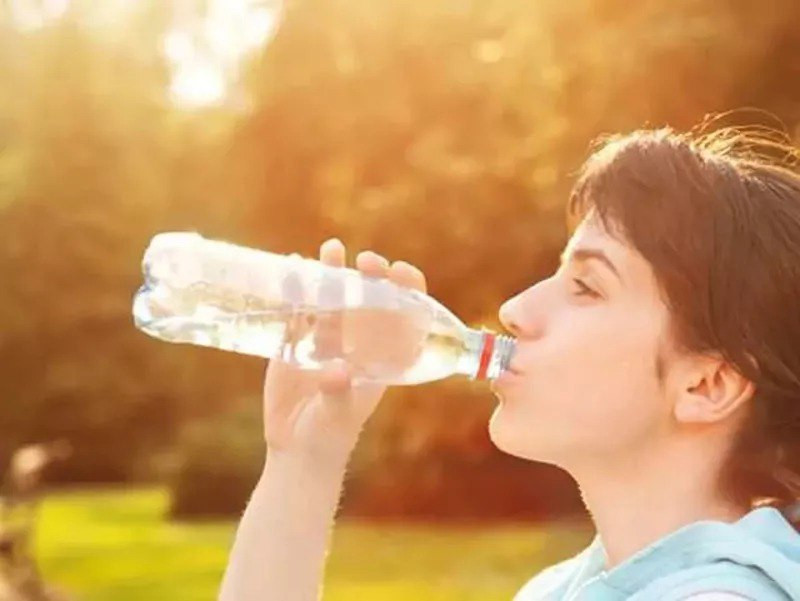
x=217, y=294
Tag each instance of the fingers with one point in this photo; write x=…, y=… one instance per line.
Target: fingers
x=328, y=329
x=332, y=252
x=335, y=380
x=405, y=274
x=400, y=272
x=372, y=264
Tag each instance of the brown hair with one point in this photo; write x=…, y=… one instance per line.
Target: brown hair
x=718, y=219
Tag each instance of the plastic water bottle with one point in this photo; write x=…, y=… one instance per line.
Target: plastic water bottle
x=217, y=294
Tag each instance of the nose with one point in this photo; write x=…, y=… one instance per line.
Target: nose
x=526, y=314
x=507, y=316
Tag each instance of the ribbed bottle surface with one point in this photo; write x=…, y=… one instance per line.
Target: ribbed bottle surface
x=218, y=295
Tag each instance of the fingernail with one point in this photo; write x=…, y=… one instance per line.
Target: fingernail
x=382, y=260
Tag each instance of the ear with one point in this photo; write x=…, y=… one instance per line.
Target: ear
x=714, y=390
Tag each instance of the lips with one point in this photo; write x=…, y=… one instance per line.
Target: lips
x=506, y=377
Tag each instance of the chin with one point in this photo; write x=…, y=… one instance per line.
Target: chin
x=504, y=433
x=510, y=436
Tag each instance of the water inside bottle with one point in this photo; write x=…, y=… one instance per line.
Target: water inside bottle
x=385, y=345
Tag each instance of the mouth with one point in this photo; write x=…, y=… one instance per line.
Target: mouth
x=507, y=376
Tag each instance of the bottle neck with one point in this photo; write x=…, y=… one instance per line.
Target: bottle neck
x=486, y=354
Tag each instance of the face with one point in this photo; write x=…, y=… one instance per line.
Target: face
x=585, y=387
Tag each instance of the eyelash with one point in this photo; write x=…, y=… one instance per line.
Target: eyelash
x=584, y=289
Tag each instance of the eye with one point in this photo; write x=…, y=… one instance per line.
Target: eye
x=583, y=289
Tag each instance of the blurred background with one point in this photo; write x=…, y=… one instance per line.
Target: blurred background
x=443, y=133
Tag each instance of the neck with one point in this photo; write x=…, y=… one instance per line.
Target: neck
x=637, y=502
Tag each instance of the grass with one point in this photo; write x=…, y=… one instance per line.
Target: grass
x=116, y=545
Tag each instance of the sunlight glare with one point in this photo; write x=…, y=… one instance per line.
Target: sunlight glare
x=205, y=53
x=198, y=84
x=29, y=15
x=178, y=46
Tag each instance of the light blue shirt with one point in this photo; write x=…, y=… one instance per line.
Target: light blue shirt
x=757, y=556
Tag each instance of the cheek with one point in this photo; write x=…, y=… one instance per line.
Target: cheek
x=588, y=383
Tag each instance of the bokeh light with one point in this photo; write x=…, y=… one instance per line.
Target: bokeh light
x=442, y=133
x=205, y=51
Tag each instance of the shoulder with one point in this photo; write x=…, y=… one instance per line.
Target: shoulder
x=720, y=581
x=552, y=580
x=545, y=582
x=716, y=596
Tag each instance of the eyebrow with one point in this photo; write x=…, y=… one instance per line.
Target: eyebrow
x=584, y=254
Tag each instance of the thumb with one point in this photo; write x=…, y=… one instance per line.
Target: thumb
x=336, y=381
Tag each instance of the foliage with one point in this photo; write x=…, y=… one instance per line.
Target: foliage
x=116, y=545
x=445, y=134
x=219, y=463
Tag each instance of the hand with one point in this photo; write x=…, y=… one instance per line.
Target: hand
x=322, y=411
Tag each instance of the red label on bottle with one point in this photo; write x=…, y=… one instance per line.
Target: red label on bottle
x=486, y=355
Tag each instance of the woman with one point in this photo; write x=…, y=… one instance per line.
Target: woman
x=659, y=366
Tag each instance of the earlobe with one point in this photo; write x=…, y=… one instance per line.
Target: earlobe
x=688, y=411
x=696, y=406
